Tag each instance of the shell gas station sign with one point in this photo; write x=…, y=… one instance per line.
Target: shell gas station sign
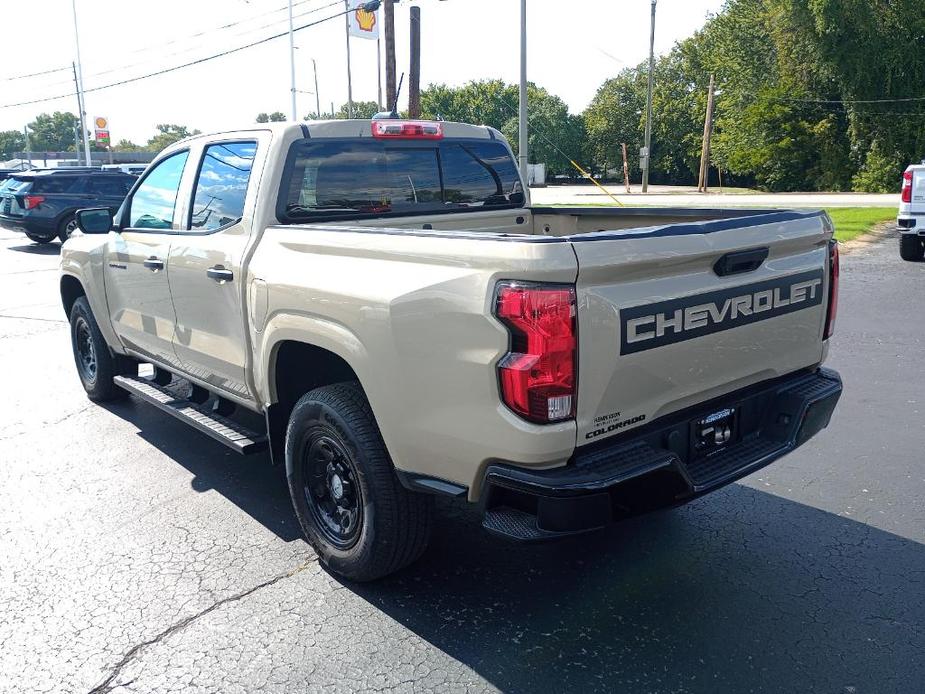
x=363, y=23
x=101, y=131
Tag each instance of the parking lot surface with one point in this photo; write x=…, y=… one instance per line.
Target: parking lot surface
x=139, y=556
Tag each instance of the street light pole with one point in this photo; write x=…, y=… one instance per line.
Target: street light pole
x=80, y=88
x=317, y=96
x=523, y=154
x=648, y=143
x=295, y=113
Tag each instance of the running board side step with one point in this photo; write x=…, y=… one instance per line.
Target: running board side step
x=222, y=429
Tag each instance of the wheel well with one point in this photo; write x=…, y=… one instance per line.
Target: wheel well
x=300, y=368
x=71, y=290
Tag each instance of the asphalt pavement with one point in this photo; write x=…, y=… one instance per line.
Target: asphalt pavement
x=139, y=556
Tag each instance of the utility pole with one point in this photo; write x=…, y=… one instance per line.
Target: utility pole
x=379, y=70
x=79, y=110
x=390, y=77
x=295, y=113
x=523, y=154
x=414, y=78
x=703, y=184
x=626, y=168
x=80, y=88
x=317, y=96
x=349, y=75
x=25, y=131
x=648, y=144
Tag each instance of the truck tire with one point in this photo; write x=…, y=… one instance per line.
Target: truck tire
x=96, y=365
x=911, y=248
x=40, y=238
x=352, y=508
x=66, y=228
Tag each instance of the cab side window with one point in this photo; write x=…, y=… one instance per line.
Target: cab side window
x=221, y=186
x=152, y=205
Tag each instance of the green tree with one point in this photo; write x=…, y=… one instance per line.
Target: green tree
x=11, y=141
x=52, y=132
x=361, y=109
x=167, y=134
x=124, y=145
x=555, y=136
x=275, y=117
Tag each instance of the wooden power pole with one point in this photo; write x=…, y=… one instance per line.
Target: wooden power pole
x=390, y=81
x=703, y=184
x=414, y=80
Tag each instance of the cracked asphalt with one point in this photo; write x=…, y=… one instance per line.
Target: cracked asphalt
x=139, y=556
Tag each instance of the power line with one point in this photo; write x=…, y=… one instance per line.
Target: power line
x=178, y=67
x=158, y=58
x=850, y=101
x=35, y=74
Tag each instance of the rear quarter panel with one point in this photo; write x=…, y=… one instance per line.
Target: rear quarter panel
x=411, y=313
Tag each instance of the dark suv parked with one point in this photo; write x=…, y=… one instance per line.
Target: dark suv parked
x=41, y=204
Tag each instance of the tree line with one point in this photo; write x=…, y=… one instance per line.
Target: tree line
x=811, y=95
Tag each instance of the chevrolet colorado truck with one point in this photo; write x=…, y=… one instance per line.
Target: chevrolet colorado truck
x=377, y=304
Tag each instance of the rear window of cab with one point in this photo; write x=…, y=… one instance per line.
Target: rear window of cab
x=353, y=179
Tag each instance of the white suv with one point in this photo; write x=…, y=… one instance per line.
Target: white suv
x=911, y=218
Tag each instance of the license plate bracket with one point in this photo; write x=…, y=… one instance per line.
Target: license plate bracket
x=714, y=431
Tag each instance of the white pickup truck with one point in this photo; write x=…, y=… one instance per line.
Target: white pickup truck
x=382, y=295
x=911, y=218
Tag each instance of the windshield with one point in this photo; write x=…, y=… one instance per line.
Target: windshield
x=344, y=179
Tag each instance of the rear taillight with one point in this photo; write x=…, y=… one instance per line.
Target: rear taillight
x=537, y=375
x=907, y=187
x=32, y=201
x=834, y=271
x=407, y=129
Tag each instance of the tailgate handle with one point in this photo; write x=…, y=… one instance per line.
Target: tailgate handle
x=741, y=261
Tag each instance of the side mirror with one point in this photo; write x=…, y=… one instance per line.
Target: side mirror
x=94, y=221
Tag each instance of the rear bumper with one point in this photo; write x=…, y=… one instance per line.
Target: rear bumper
x=655, y=466
x=910, y=225
x=26, y=225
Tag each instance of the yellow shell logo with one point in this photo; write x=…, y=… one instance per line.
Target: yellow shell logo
x=366, y=20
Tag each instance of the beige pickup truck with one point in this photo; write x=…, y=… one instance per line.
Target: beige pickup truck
x=378, y=305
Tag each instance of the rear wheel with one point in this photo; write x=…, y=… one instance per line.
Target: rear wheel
x=911, y=248
x=96, y=365
x=67, y=227
x=41, y=238
x=353, y=510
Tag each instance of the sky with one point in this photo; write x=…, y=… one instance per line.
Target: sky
x=573, y=46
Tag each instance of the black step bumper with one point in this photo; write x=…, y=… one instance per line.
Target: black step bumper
x=657, y=465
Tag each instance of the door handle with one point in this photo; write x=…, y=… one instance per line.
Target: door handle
x=154, y=264
x=220, y=274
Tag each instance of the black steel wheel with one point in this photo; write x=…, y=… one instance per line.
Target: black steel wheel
x=96, y=364
x=67, y=227
x=332, y=489
x=350, y=503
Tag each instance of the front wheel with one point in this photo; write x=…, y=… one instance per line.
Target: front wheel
x=96, y=365
x=911, y=248
x=352, y=508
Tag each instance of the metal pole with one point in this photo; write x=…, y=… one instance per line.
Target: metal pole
x=414, y=79
x=79, y=110
x=317, y=97
x=80, y=88
x=523, y=153
x=25, y=131
x=349, y=75
x=388, y=12
x=379, y=69
x=295, y=113
x=648, y=143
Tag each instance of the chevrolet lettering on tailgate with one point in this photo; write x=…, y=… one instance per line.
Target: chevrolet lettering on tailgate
x=667, y=322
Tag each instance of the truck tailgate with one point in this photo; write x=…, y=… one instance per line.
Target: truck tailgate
x=672, y=316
